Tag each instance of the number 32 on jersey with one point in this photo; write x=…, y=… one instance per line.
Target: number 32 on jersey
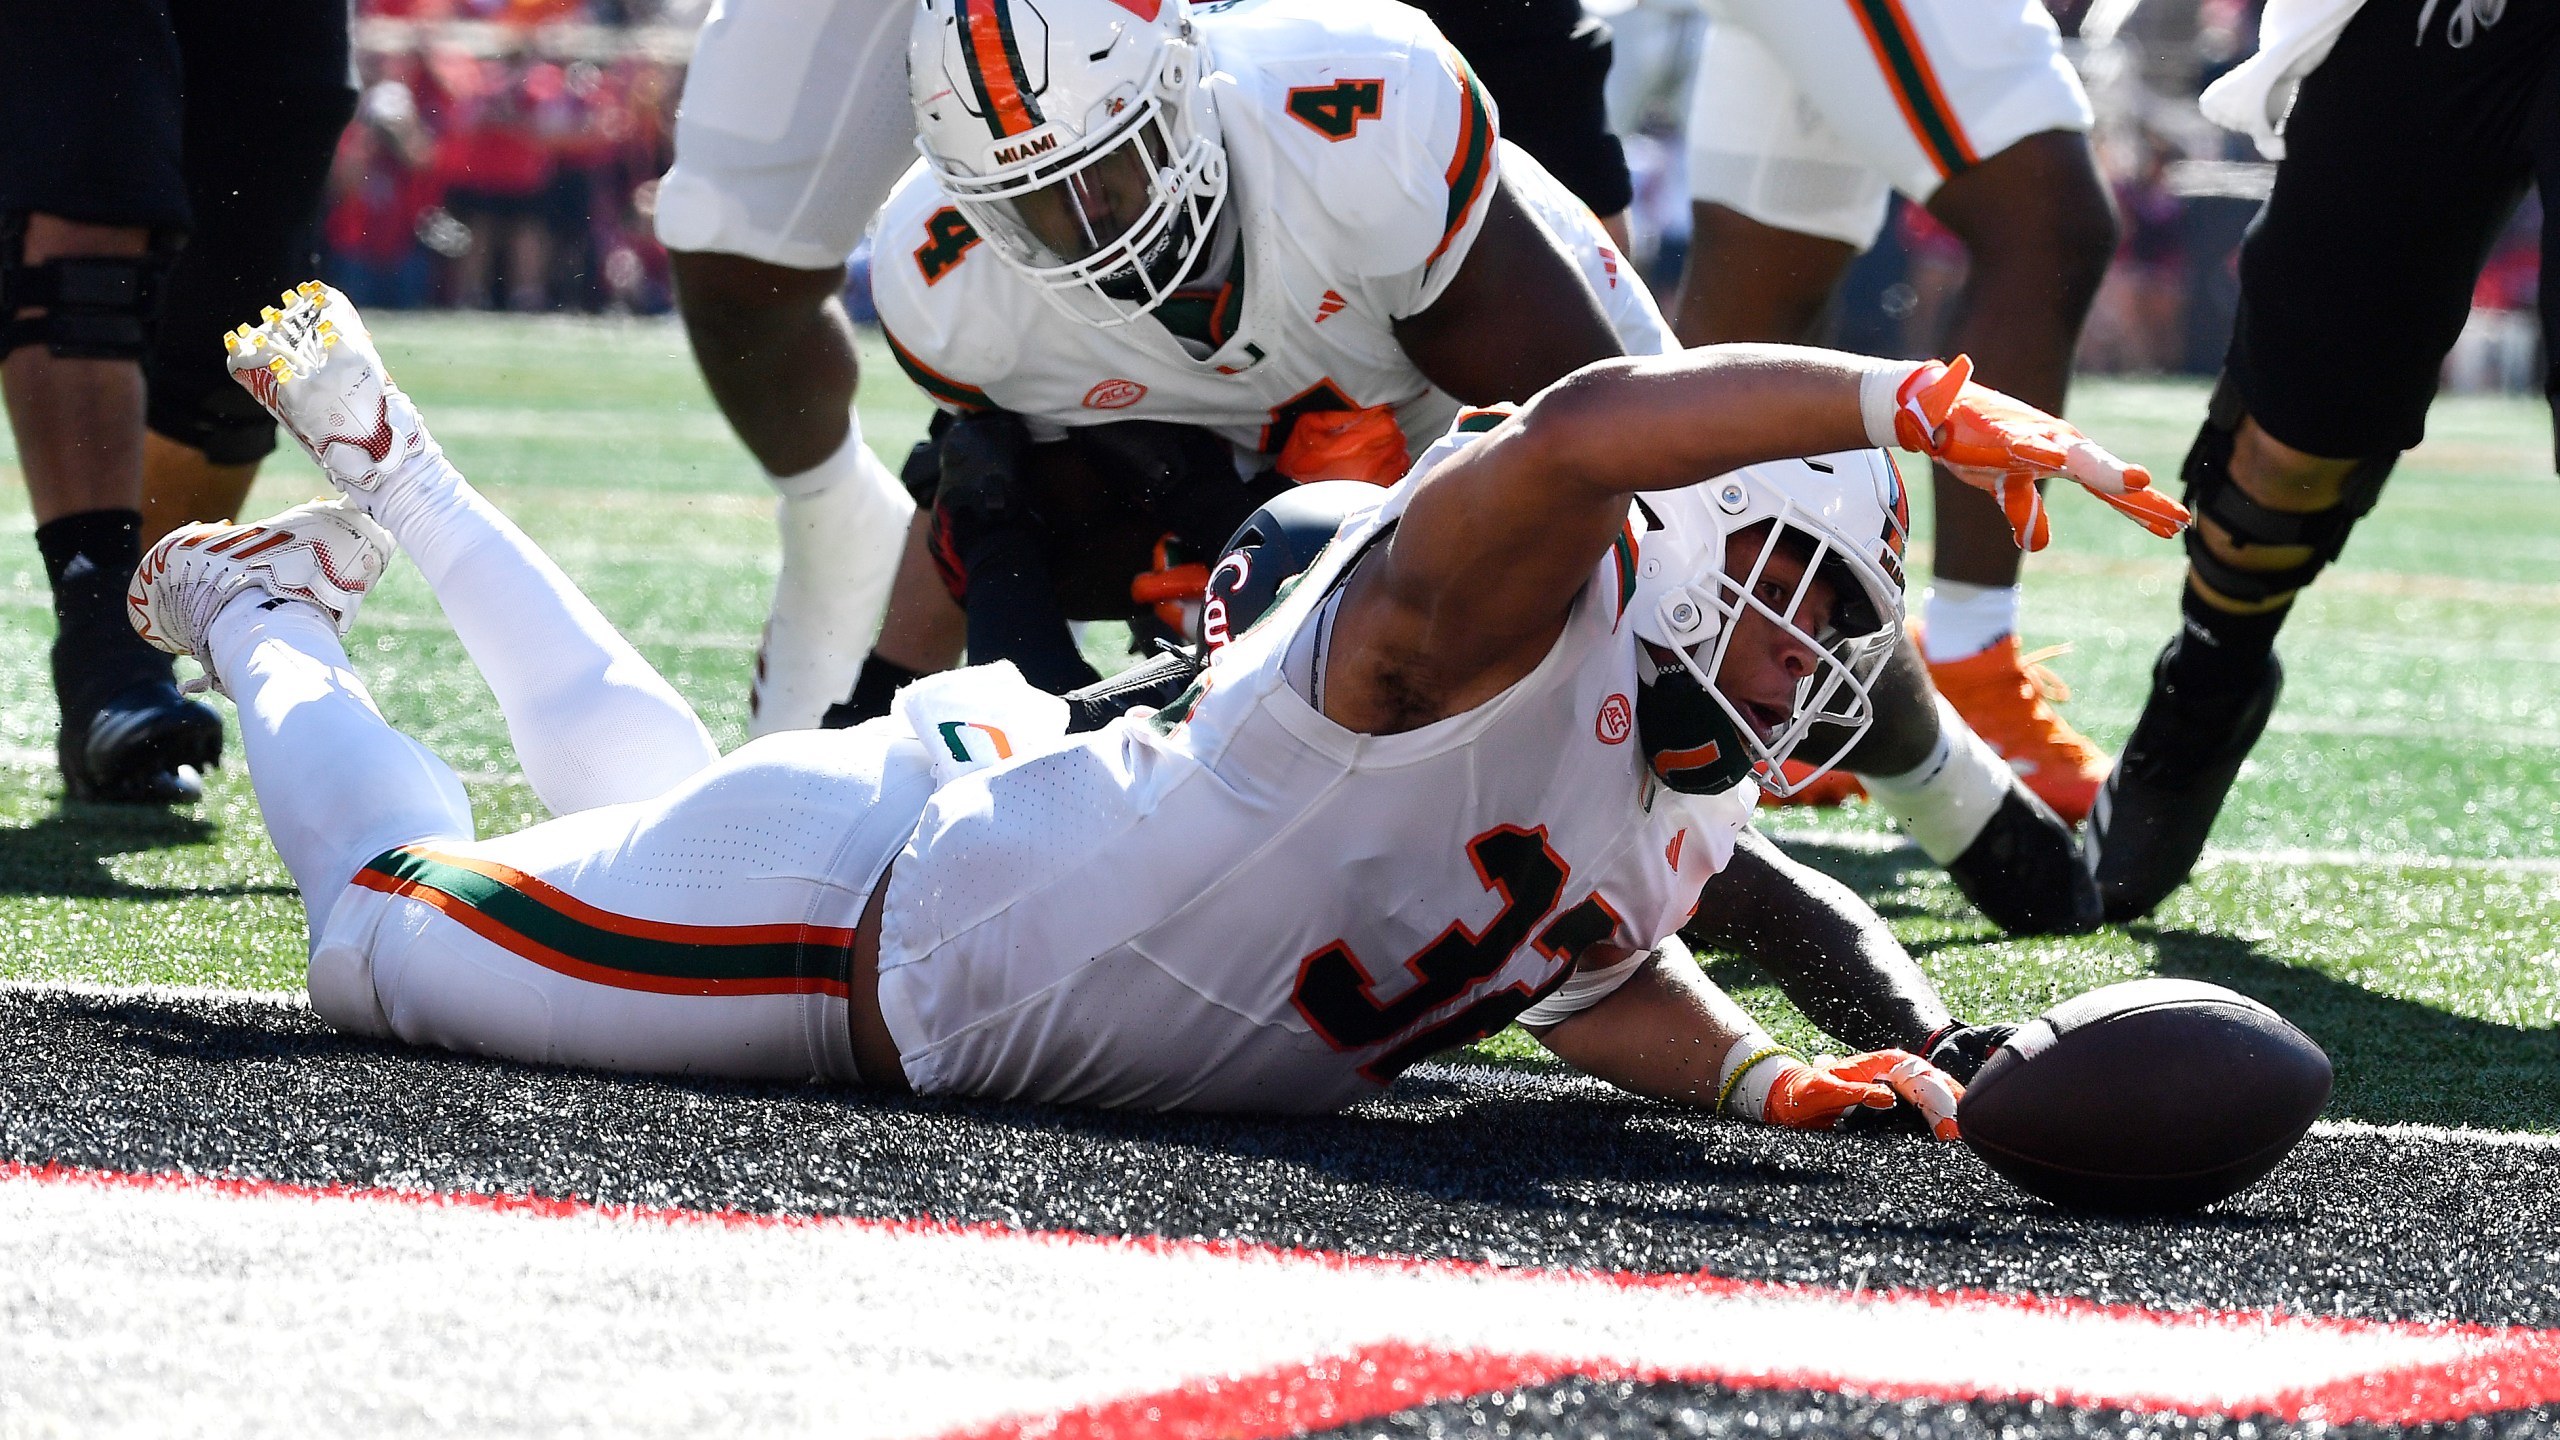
x=1337, y=995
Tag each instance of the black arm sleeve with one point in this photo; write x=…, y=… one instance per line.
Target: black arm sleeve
x=1824, y=946
x=1149, y=682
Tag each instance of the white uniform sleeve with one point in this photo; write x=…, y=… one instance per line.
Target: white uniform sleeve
x=929, y=275
x=1589, y=987
x=1395, y=139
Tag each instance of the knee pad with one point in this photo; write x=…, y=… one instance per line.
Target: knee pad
x=96, y=307
x=2213, y=494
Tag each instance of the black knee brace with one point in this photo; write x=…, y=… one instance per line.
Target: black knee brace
x=2215, y=496
x=96, y=307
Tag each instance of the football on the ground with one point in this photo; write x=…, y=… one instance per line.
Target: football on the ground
x=2149, y=1096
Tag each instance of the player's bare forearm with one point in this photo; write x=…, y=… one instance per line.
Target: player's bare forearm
x=1658, y=422
x=1663, y=1034
x=1828, y=950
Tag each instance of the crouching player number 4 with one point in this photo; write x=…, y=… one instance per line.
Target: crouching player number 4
x=1390, y=818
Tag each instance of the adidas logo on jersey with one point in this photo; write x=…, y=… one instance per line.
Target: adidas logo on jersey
x=1333, y=304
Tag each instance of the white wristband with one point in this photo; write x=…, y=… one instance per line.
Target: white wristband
x=1879, y=400
x=1750, y=1070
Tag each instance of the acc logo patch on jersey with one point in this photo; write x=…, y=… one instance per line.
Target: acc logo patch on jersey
x=1617, y=721
x=1114, y=395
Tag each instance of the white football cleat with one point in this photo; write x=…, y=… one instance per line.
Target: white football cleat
x=313, y=366
x=326, y=553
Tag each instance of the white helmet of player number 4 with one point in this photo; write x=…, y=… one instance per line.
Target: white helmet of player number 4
x=1843, y=518
x=1077, y=137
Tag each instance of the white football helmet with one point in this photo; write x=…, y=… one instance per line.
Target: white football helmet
x=1077, y=137
x=1847, y=517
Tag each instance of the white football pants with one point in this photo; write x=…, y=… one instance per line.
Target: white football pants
x=684, y=914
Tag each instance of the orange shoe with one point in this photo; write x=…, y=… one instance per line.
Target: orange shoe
x=2003, y=695
x=1831, y=791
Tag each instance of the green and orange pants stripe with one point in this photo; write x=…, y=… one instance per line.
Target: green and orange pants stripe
x=1914, y=83
x=537, y=921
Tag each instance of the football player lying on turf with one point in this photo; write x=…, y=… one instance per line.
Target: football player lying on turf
x=1473, y=768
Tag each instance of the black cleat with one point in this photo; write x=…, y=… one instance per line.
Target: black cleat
x=2159, y=803
x=2025, y=873
x=143, y=747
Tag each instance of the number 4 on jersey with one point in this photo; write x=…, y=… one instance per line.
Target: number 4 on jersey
x=1336, y=110
x=947, y=237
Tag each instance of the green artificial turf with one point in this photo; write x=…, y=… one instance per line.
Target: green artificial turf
x=2387, y=873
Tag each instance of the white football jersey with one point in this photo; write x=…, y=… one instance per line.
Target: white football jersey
x=1360, y=154
x=1240, y=905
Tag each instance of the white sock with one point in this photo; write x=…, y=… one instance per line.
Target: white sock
x=1943, y=802
x=1961, y=619
x=843, y=525
x=336, y=784
x=593, y=723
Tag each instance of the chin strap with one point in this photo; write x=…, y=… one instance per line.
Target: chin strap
x=1690, y=742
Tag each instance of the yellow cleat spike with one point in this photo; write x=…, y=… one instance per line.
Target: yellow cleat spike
x=310, y=289
x=280, y=368
x=287, y=297
x=270, y=314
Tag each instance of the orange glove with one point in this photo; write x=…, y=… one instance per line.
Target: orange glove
x=1825, y=1093
x=2001, y=444
x=1363, y=444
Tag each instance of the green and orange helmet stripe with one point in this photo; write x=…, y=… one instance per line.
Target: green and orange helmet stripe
x=546, y=925
x=993, y=58
x=1624, y=550
x=1914, y=83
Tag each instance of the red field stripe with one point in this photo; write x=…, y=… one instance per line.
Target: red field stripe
x=1333, y=1391
x=2494, y=1369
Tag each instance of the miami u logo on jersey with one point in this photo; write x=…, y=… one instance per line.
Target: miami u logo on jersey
x=958, y=743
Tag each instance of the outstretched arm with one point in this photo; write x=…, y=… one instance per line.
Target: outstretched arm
x=1669, y=1033
x=1475, y=583
x=1495, y=542
x=1827, y=949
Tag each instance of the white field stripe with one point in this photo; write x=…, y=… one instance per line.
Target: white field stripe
x=378, y=1314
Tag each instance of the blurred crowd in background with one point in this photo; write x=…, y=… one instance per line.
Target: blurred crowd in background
x=506, y=152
